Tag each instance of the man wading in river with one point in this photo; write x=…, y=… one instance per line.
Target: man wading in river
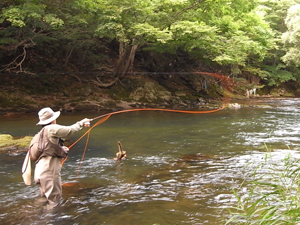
x=48, y=163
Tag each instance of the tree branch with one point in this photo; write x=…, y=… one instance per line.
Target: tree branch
x=26, y=43
x=194, y=4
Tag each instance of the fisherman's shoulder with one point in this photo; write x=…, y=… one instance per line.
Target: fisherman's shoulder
x=54, y=127
x=63, y=131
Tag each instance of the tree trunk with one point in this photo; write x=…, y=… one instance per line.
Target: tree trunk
x=125, y=62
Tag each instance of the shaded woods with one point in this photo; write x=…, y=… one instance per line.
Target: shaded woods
x=249, y=40
x=93, y=55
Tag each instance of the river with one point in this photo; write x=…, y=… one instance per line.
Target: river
x=180, y=168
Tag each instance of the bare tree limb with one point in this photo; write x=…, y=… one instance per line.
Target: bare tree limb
x=15, y=64
x=18, y=61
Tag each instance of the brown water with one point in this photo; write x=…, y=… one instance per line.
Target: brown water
x=162, y=181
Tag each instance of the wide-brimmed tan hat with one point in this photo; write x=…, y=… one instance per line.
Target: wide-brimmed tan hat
x=47, y=115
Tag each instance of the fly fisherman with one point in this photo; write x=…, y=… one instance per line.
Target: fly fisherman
x=48, y=165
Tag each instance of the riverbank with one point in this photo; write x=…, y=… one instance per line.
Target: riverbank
x=23, y=93
x=28, y=93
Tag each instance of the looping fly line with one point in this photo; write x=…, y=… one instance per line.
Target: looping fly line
x=104, y=117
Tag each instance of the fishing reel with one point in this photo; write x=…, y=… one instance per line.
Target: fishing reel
x=61, y=141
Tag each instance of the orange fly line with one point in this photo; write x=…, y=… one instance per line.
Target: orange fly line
x=104, y=117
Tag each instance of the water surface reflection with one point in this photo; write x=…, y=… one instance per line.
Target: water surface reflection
x=180, y=167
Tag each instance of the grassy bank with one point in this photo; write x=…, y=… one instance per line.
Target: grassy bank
x=8, y=142
x=271, y=197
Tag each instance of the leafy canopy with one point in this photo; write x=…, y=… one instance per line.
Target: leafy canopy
x=292, y=36
x=236, y=34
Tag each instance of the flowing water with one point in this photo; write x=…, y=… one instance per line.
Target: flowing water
x=180, y=167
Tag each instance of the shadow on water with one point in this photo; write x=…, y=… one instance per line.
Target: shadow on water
x=180, y=168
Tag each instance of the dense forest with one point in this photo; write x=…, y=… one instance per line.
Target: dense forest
x=254, y=40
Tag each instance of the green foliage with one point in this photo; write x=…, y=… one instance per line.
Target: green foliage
x=235, y=34
x=149, y=33
x=272, y=197
x=275, y=13
x=26, y=22
x=170, y=22
x=30, y=15
x=53, y=21
x=275, y=75
x=292, y=36
x=14, y=16
x=192, y=36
